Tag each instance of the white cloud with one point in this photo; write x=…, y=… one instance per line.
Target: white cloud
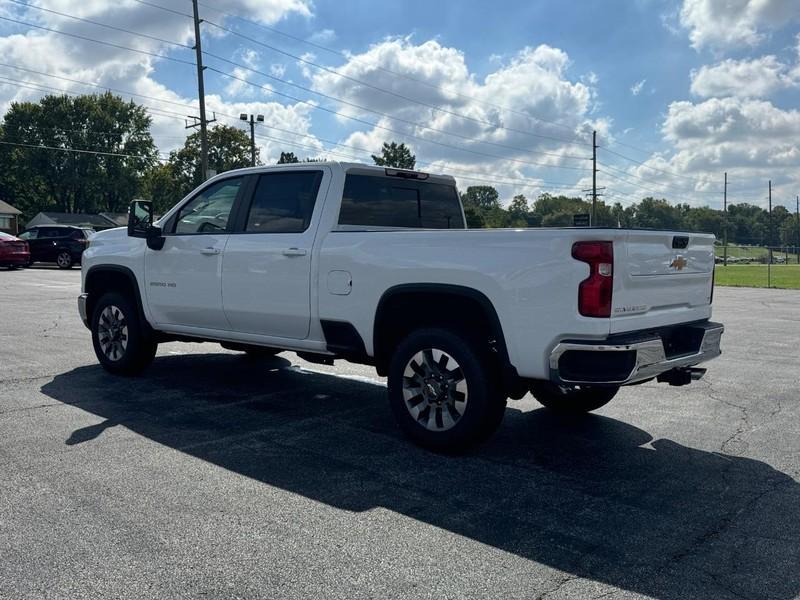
x=637, y=87
x=753, y=140
x=755, y=78
x=533, y=83
x=277, y=70
x=323, y=36
x=116, y=68
x=731, y=23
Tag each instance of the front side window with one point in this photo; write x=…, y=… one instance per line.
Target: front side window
x=210, y=210
x=31, y=234
x=283, y=202
x=388, y=202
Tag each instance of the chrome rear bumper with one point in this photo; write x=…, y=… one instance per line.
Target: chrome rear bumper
x=637, y=357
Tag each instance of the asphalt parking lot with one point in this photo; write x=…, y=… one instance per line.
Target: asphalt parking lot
x=214, y=476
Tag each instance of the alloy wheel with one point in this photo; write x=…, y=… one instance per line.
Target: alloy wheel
x=435, y=389
x=112, y=333
x=64, y=260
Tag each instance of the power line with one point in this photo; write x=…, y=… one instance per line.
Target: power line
x=88, y=39
x=511, y=181
x=383, y=90
x=309, y=90
x=98, y=24
x=666, y=187
x=384, y=128
x=164, y=8
x=95, y=85
x=42, y=147
x=646, y=166
x=348, y=57
x=376, y=112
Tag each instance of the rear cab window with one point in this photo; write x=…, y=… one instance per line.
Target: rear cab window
x=390, y=201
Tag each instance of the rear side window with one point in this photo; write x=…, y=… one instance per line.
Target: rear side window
x=388, y=202
x=283, y=202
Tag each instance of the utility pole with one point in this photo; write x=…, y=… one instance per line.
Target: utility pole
x=797, y=239
x=725, y=222
x=594, y=178
x=201, y=92
x=259, y=119
x=769, y=240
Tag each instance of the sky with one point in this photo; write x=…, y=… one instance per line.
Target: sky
x=505, y=94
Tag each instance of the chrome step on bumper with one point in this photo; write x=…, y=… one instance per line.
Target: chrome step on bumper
x=624, y=360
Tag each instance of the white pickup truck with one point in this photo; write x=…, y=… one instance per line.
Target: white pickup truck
x=376, y=266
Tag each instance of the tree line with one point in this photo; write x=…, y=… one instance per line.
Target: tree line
x=113, y=159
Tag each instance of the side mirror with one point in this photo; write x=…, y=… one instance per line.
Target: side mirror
x=140, y=224
x=140, y=218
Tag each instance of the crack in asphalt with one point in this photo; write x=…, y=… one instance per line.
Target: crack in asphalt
x=564, y=581
x=724, y=524
x=744, y=424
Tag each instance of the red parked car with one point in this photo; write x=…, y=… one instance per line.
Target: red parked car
x=14, y=252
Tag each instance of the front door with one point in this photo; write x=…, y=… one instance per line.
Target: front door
x=183, y=279
x=266, y=269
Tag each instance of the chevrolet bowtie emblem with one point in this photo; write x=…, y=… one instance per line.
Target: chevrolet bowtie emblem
x=678, y=263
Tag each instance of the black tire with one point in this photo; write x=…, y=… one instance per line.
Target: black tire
x=572, y=400
x=64, y=259
x=128, y=356
x=461, y=408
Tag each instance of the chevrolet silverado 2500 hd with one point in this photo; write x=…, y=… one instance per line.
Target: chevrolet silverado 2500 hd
x=376, y=266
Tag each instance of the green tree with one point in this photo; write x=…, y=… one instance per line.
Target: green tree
x=113, y=134
x=160, y=185
x=657, y=214
x=228, y=148
x=287, y=158
x=482, y=197
x=395, y=155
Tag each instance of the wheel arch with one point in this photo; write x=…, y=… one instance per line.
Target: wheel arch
x=470, y=304
x=107, y=278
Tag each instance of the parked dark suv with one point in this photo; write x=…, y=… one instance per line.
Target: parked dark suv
x=61, y=244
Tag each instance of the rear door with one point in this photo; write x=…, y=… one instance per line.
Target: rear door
x=661, y=278
x=266, y=270
x=47, y=243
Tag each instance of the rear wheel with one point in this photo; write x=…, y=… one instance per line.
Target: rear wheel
x=443, y=391
x=572, y=399
x=64, y=260
x=120, y=341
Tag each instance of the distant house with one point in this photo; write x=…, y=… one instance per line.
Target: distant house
x=9, y=217
x=96, y=222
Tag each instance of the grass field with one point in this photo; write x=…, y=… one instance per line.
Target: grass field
x=783, y=276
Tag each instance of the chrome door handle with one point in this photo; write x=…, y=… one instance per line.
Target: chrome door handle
x=295, y=252
x=210, y=251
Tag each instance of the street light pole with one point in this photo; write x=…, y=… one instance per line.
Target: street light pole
x=253, y=120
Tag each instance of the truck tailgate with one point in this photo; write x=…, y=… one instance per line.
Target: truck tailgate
x=661, y=278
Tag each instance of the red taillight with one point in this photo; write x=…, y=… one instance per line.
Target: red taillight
x=594, y=292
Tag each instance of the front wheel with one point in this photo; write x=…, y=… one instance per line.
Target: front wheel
x=572, y=399
x=120, y=341
x=64, y=260
x=443, y=391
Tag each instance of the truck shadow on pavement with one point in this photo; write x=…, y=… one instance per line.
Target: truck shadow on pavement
x=585, y=496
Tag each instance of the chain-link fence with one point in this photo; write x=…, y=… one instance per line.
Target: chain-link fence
x=758, y=266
